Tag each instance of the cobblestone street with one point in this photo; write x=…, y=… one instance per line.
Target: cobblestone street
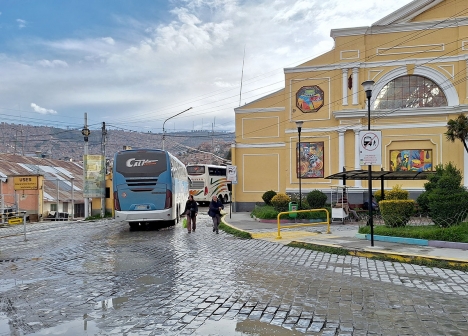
x=100, y=278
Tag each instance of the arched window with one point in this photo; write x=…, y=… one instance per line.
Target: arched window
x=410, y=92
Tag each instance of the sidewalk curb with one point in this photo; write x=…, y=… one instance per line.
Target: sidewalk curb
x=414, y=241
x=223, y=220
x=411, y=258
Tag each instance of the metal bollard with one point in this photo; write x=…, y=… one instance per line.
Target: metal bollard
x=24, y=223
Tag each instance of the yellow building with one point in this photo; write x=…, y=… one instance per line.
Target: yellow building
x=417, y=56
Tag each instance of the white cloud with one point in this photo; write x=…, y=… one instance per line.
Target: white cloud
x=42, y=110
x=52, y=64
x=108, y=40
x=149, y=71
x=21, y=23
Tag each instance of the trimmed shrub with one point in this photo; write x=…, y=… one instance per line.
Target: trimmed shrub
x=447, y=199
x=281, y=202
x=397, y=193
x=396, y=213
x=423, y=202
x=316, y=199
x=378, y=195
x=267, y=196
x=448, y=208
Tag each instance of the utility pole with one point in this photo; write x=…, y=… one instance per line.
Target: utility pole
x=103, y=169
x=85, y=131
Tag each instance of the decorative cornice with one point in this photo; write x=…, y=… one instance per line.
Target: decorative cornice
x=398, y=28
x=407, y=12
x=239, y=110
x=392, y=63
x=261, y=145
x=407, y=112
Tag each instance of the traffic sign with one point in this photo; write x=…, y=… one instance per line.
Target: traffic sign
x=231, y=174
x=370, y=148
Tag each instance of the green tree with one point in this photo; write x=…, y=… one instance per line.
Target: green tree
x=458, y=130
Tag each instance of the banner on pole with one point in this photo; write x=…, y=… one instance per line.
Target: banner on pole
x=94, y=176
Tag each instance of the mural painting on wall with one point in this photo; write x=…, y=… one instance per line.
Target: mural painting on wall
x=310, y=164
x=310, y=98
x=411, y=160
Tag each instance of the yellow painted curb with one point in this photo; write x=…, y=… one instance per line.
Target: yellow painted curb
x=392, y=255
x=284, y=235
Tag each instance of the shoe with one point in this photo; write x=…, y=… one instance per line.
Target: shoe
x=189, y=231
x=217, y=232
x=193, y=230
x=214, y=229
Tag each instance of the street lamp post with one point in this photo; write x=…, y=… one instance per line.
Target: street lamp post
x=368, y=86
x=299, y=128
x=164, y=132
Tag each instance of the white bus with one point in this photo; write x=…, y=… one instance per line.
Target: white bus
x=207, y=181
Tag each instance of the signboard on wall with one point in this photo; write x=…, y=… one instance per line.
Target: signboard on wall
x=370, y=148
x=25, y=182
x=411, y=160
x=309, y=159
x=94, y=176
x=231, y=174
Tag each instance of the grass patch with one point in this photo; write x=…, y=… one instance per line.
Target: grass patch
x=264, y=212
x=319, y=248
x=98, y=216
x=269, y=212
x=456, y=233
x=234, y=232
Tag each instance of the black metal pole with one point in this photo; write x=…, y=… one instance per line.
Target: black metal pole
x=371, y=219
x=300, y=168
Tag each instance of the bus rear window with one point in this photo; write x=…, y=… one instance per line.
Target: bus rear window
x=196, y=170
x=141, y=163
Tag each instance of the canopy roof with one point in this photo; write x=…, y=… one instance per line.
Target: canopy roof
x=381, y=174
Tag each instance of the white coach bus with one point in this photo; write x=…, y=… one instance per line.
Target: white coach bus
x=207, y=181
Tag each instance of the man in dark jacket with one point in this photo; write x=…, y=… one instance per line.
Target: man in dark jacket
x=215, y=212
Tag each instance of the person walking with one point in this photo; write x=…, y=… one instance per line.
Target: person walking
x=215, y=212
x=191, y=211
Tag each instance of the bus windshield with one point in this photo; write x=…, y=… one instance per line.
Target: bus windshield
x=141, y=163
x=196, y=170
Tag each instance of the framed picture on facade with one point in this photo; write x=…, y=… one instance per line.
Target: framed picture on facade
x=411, y=160
x=310, y=160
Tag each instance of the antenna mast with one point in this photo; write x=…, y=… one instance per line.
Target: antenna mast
x=242, y=77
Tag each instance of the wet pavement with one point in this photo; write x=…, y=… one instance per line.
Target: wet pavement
x=100, y=278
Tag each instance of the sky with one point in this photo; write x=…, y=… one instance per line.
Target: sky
x=136, y=64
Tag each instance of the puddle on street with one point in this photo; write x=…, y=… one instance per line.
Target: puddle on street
x=8, y=284
x=150, y=280
x=246, y=327
x=4, y=326
x=114, y=303
x=77, y=327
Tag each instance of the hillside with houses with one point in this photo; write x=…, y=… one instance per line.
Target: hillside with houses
x=68, y=144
